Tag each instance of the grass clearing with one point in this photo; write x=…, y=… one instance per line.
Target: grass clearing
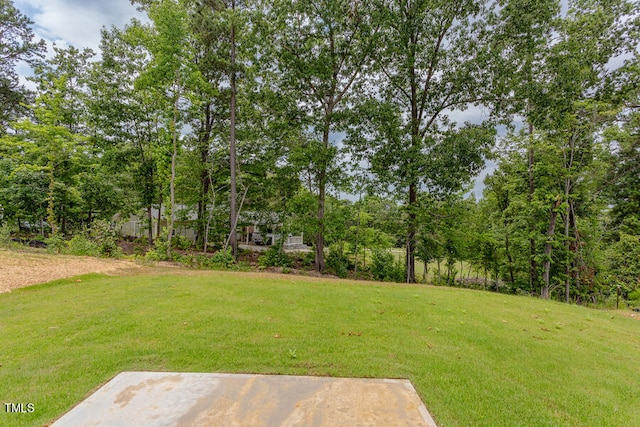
x=462, y=270
x=475, y=358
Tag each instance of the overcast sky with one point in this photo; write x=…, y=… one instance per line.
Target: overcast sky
x=76, y=22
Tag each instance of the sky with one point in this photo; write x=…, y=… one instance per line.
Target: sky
x=78, y=23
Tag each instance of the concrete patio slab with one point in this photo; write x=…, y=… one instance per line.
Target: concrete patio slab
x=154, y=399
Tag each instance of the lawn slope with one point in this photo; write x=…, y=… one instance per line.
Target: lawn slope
x=475, y=358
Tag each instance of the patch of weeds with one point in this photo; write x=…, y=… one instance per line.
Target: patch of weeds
x=5, y=236
x=181, y=242
x=159, y=250
x=337, y=261
x=103, y=234
x=186, y=259
x=275, y=257
x=222, y=258
x=55, y=244
x=80, y=245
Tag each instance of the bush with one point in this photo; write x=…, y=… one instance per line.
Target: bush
x=80, y=245
x=5, y=235
x=187, y=260
x=55, y=244
x=303, y=259
x=383, y=267
x=275, y=257
x=104, y=236
x=634, y=297
x=159, y=250
x=222, y=258
x=337, y=262
x=181, y=242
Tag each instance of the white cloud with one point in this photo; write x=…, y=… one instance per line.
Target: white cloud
x=76, y=22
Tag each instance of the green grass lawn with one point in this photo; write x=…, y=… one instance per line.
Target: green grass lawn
x=475, y=358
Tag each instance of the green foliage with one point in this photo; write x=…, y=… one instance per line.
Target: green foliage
x=385, y=268
x=55, y=244
x=222, y=258
x=159, y=250
x=81, y=245
x=623, y=263
x=102, y=137
x=99, y=240
x=181, y=242
x=337, y=261
x=104, y=236
x=634, y=297
x=5, y=235
x=16, y=44
x=275, y=257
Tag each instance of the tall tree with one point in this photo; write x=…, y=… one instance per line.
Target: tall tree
x=524, y=31
x=126, y=121
x=434, y=61
x=54, y=141
x=170, y=72
x=320, y=49
x=17, y=43
x=573, y=109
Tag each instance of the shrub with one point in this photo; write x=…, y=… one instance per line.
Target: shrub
x=105, y=238
x=222, y=258
x=337, y=262
x=5, y=235
x=159, y=250
x=55, y=244
x=187, y=260
x=275, y=257
x=80, y=245
x=308, y=258
x=181, y=242
x=383, y=267
x=634, y=297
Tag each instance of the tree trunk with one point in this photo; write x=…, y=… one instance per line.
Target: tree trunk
x=174, y=155
x=150, y=229
x=568, y=186
x=63, y=220
x=355, y=265
x=567, y=268
x=51, y=216
x=322, y=188
x=424, y=273
x=158, y=224
x=533, y=267
x=548, y=247
x=509, y=258
x=203, y=197
x=210, y=216
x=232, y=144
x=411, y=235
x=319, y=259
x=577, y=261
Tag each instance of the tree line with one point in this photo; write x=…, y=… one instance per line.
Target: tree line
x=345, y=120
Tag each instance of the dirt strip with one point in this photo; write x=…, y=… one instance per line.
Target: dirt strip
x=24, y=268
